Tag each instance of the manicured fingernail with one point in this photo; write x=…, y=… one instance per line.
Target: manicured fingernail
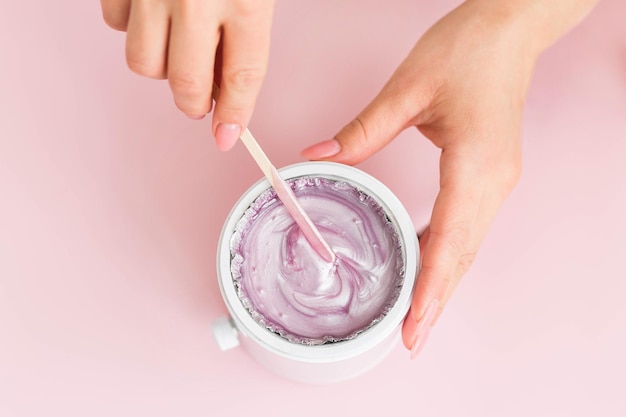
x=321, y=150
x=420, y=342
x=422, y=329
x=226, y=135
x=196, y=117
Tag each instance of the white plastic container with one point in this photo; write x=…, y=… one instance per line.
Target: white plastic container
x=319, y=363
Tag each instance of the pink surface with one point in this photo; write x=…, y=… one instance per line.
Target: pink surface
x=112, y=203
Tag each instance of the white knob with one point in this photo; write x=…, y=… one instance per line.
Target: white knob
x=225, y=333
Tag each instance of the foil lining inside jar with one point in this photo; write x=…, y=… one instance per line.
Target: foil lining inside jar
x=289, y=290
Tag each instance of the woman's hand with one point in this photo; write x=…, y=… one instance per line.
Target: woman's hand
x=194, y=42
x=463, y=86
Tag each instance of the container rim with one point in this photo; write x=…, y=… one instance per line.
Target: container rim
x=369, y=338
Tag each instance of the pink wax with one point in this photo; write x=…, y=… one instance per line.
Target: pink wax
x=285, y=285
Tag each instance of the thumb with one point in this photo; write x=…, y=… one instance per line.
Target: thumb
x=393, y=110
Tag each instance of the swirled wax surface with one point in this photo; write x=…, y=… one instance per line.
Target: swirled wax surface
x=290, y=290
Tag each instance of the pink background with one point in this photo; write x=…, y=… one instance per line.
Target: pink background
x=112, y=203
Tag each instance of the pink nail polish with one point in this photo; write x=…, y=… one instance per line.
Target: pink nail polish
x=226, y=135
x=419, y=343
x=422, y=330
x=322, y=150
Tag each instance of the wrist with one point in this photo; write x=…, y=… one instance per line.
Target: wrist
x=536, y=24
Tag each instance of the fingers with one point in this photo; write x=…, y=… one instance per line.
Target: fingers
x=115, y=13
x=244, y=56
x=394, y=109
x=179, y=40
x=469, y=198
x=369, y=132
x=147, y=39
x=194, y=35
x=448, y=245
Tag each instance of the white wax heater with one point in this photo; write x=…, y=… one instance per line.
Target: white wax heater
x=330, y=362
